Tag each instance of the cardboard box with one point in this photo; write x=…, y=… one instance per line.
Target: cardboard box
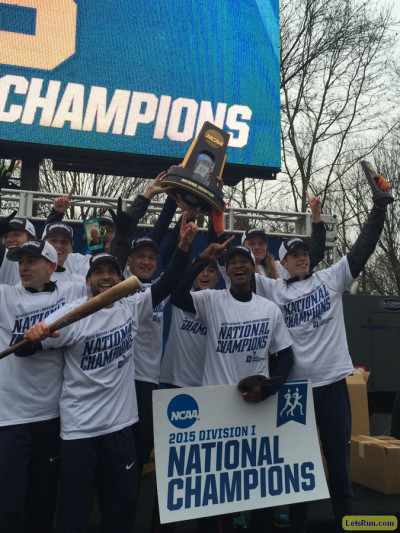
x=375, y=463
x=357, y=386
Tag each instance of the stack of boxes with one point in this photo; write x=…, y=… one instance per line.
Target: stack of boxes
x=374, y=461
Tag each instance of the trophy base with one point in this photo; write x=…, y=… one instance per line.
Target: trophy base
x=193, y=191
x=382, y=198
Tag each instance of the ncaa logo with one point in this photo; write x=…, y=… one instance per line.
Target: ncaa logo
x=183, y=411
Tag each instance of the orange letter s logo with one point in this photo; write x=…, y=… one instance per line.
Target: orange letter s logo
x=54, y=39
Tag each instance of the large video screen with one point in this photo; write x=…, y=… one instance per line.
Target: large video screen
x=141, y=76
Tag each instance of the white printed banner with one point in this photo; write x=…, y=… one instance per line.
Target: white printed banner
x=217, y=454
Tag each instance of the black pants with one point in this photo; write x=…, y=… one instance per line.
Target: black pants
x=333, y=417
x=107, y=462
x=29, y=473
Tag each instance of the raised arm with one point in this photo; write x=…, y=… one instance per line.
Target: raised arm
x=367, y=240
x=61, y=205
x=318, y=235
x=126, y=222
x=181, y=296
x=174, y=271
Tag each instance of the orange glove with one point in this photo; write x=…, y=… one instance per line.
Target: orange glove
x=382, y=183
x=218, y=220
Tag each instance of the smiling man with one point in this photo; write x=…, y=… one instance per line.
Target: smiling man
x=98, y=402
x=29, y=393
x=294, y=255
x=61, y=236
x=242, y=328
x=311, y=304
x=14, y=231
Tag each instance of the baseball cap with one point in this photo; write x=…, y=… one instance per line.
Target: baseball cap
x=22, y=224
x=107, y=219
x=144, y=241
x=99, y=258
x=35, y=248
x=239, y=250
x=253, y=231
x=289, y=245
x=53, y=227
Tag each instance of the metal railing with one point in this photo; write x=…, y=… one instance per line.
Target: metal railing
x=280, y=224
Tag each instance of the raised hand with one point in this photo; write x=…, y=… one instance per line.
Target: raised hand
x=122, y=220
x=315, y=204
x=188, y=232
x=214, y=251
x=62, y=203
x=156, y=186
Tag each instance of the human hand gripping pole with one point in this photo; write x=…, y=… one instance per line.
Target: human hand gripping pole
x=380, y=188
x=104, y=299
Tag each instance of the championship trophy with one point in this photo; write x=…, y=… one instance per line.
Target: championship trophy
x=381, y=198
x=196, y=179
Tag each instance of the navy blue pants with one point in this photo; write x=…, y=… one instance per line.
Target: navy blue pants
x=333, y=417
x=143, y=430
x=29, y=473
x=107, y=463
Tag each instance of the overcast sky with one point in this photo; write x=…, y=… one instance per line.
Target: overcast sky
x=396, y=6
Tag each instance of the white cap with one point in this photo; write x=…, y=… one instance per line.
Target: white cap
x=35, y=248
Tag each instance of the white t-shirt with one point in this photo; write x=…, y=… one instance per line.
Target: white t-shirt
x=239, y=335
x=313, y=313
x=30, y=386
x=98, y=395
x=149, y=343
x=183, y=360
x=67, y=277
x=77, y=264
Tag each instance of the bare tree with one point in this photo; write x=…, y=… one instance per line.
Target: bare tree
x=336, y=93
x=332, y=71
x=96, y=185
x=352, y=204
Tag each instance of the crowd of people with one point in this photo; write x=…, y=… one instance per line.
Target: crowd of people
x=76, y=406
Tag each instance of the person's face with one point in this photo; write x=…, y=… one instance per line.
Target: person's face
x=14, y=238
x=110, y=234
x=207, y=279
x=35, y=271
x=102, y=277
x=62, y=244
x=240, y=270
x=297, y=263
x=143, y=262
x=94, y=235
x=258, y=245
